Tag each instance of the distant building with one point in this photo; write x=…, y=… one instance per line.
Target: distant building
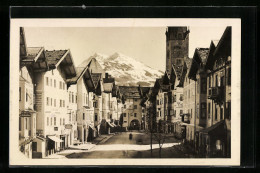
x=132, y=111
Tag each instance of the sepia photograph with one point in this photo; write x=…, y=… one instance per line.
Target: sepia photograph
x=125, y=92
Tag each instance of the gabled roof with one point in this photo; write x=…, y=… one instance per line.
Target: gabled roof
x=224, y=46
x=198, y=61
x=63, y=59
x=203, y=54
x=96, y=78
x=82, y=71
x=210, y=60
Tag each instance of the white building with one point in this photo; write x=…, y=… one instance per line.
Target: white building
x=51, y=99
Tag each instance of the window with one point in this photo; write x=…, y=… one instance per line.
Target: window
x=203, y=85
x=26, y=95
x=228, y=110
x=222, y=81
x=216, y=112
x=70, y=117
x=229, y=77
x=47, y=81
x=60, y=103
x=124, y=106
x=83, y=116
x=60, y=121
x=179, y=36
x=181, y=97
x=34, y=146
x=51, y=121
x=221, y=113
x=209, y=110
x=135, y=106
x=125, y=121
x=135, y=114
x=54, y=121
x=209, y=81
x=198, y=84
x=124, y=114
x=63, y=86
x=174, y=113
x=63, y=121
x=47, y=121
x=181, y=112
x=76, y=98
x=47, y=101
x=54, y=83
x=69, y=97
x=54, y=102
x=188, y=93
x=96, y=117
x=25, y=120
x=20, y=119
x=135, y=100
x=60, y=85
x=216, y=81
x=63, y=103
x=20, y=94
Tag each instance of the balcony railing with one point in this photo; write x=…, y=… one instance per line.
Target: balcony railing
x=215, y=93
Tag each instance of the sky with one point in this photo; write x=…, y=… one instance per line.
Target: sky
x=145, y=44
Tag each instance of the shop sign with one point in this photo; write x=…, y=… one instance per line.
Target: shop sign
x=68, y=126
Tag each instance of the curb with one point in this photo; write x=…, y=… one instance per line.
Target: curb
x=108, y=137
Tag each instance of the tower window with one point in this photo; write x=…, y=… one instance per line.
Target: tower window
x=179, y=36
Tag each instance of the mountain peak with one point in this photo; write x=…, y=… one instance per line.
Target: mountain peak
x=126, y=70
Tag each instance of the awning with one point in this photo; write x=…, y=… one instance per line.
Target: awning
x=111, y=125
x=26, y=113
x=92, y=127
x=55, y=139
x=213, y=128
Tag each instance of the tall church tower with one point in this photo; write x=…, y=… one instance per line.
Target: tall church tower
x=177, y=48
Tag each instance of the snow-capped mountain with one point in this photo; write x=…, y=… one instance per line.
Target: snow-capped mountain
x=127, y=71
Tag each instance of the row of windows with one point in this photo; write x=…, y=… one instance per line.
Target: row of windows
x=49, y=83
x=52, y=102
x=72, y=98
x=52, y=121
x=130, y=114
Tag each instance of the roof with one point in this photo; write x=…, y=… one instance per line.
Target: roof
x=203, y=54
x=33, y=52
x=54, y=56
x=129, y=91
x=213, y=127
x=215, y=42
x=108, y=80
x=96, y=78
x=188, y=62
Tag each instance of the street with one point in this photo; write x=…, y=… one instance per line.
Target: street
x=120, y=146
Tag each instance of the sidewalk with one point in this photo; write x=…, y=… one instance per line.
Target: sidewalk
x=80, y=148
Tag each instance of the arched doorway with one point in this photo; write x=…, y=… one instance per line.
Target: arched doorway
x=135, y=125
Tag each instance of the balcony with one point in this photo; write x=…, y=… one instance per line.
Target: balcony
x=215, y=93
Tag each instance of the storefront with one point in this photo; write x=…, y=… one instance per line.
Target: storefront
x=213, y=141
x=53, y=144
